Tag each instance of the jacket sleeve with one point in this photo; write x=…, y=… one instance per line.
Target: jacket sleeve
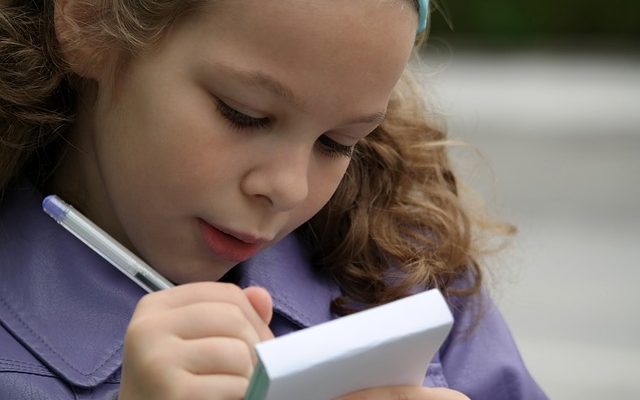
x=480, y=357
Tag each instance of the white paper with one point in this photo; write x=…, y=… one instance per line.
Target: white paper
x=388, y=345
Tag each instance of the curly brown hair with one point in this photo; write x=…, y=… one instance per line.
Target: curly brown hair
x=396, y=223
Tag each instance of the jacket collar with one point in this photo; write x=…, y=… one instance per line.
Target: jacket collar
x=70, y=308
x=67, y=305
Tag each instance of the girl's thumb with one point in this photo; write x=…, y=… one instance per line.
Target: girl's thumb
x=261, y=301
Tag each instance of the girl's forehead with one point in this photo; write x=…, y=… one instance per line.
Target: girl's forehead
x=324, y=24
x=340, y=58
x=330, y=40
x=363, y=13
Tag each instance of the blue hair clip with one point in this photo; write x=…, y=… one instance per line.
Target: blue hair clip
x=422, y=15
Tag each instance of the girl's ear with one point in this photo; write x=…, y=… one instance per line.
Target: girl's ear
x=80, y=53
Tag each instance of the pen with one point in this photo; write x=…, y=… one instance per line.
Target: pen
x=103, y=244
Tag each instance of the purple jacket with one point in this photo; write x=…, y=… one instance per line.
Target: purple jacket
x=64, y=312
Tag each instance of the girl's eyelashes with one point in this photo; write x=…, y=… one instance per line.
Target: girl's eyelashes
x=241, y=120
x=334, y=149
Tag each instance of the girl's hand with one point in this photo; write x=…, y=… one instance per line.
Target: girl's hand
x=405, y=393
x=193, y=342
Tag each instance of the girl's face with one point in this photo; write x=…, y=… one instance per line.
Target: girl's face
x=238, y=128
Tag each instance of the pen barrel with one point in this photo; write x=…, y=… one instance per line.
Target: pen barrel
x=103, y=244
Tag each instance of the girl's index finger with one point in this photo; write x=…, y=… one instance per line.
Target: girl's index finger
x=202, y=292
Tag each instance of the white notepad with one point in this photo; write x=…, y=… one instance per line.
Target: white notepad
x=387, y=345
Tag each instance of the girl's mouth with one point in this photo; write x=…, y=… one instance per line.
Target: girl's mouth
x=229, y=245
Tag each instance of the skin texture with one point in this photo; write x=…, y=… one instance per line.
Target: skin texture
x=154, y=154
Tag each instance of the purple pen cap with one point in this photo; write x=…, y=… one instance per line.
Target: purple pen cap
x=55, y=207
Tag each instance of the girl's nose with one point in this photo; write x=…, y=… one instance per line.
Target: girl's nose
x=282, y=179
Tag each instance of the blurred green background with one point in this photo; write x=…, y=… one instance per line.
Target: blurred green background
x=537, y=22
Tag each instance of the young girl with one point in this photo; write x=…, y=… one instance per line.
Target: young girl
x=274, y=146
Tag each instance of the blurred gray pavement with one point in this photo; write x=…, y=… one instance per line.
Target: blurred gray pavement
x=557, y=152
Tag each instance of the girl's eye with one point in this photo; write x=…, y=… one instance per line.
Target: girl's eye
x=240, y=120
x=334, y=149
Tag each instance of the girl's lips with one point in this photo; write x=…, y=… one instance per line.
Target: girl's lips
x=229, y=246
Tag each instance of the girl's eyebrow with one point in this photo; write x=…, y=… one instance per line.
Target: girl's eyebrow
x=263, y=80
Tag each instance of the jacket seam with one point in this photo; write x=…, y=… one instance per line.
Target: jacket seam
x=8, y=365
